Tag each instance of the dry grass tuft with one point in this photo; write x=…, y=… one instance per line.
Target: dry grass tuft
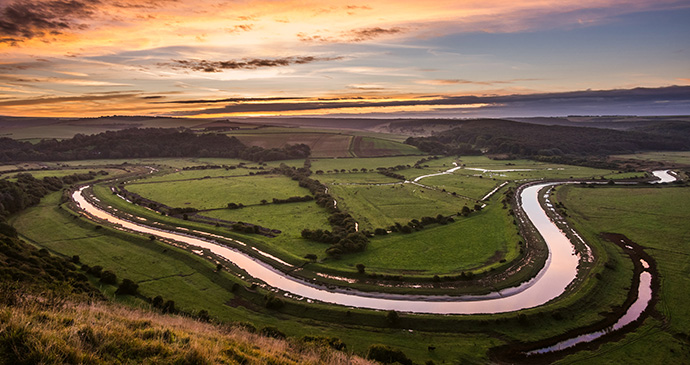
x=94, y=333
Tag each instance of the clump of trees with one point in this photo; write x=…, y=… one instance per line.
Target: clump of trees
x=343, y=237
x=27, y=191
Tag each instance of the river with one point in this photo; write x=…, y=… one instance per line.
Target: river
x=559, y=271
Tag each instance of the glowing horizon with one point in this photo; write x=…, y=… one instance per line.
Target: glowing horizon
x=161, y=57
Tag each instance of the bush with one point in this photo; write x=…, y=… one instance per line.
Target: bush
x=387, y=355
x=273, y=332
x=273, y=303
x=95, y=271
x=108, y=277
x=392, y=317
x=127, y=287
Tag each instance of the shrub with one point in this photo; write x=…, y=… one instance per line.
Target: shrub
x=392, y=317
x=95, y=271
x=387, y=355
x=108, y=277
x=127, y=287
x=273, y=332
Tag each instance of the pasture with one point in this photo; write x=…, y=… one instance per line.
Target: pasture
x=655, y=218
x=217, y=193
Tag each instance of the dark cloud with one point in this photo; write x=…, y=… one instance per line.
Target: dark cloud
x=627, y=101
x=50, y=100
x=244, y=64
x=365, y=34
x=250, y=100
x=240, y=28
x=23, y=19
x=471, y=82
x=354, y=35
x=232, y=100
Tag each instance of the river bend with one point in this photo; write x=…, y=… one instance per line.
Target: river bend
x=558, y=272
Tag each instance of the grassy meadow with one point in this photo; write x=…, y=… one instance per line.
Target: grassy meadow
x=655, y=218
x=217, y=193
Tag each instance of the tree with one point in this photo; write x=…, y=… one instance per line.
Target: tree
x=392, y=317
x=387, y=355
x=169, y=307
x=127, y=287
x=108, y=277
x=360, y=268
x=157, y=302
x=203, y=316
x=311, y=257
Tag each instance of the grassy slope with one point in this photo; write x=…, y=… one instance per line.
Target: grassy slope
x=109, y=333
x=655, y=218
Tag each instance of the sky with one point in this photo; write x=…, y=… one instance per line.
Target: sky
x=391, y=58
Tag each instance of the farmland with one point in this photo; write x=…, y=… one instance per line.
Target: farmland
x=655, y=218
x=473, y=238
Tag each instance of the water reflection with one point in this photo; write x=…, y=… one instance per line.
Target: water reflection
x=633, y=313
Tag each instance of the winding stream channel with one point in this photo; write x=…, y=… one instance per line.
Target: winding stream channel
x=559, y=271
x=557, y=274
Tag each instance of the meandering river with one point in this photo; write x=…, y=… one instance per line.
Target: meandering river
x=559, y=271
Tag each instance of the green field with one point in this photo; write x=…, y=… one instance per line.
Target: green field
x=471, y=186
x=476, y=241
x=217, y=193
x=381, y=206
x=199, y=174
x=370, y=147
x=288, y=218
x=656, y=218
x=372, y=163
x=666, y=157
x=355, y=178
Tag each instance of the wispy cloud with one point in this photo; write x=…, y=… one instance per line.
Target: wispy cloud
x=244, y=64
x=240, y=28
x=354, y=35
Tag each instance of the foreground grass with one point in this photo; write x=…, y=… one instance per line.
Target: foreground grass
x=655, y=218
x=78, y=332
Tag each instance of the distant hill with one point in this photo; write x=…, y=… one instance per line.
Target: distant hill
x=496, y=136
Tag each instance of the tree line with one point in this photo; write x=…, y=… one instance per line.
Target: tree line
x=144, y=143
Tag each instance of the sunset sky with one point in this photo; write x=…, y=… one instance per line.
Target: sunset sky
x=402, y=58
